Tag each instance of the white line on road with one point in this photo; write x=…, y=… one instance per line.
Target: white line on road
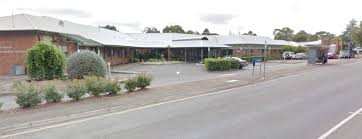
x=226, y=75
x=340, y=124
x=231, y=81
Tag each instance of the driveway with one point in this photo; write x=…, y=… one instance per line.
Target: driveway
x=168, y=74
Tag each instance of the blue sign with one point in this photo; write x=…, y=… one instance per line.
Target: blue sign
x=256, y=60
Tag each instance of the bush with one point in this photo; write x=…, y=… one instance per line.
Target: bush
x=85, y=63
x=52, y=95
x=212, y=64
x=96, y=85
x=45, y=61
x=143, y=80
x=235, y=64
x=27, y=95
x=131, y=84
x=1, y=105
x=76, y=89
x=113, y=87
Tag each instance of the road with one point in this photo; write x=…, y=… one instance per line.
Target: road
x=303, y=106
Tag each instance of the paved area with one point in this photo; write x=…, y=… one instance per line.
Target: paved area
x=302, y=106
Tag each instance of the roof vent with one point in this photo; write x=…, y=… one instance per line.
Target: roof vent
x=61, y=23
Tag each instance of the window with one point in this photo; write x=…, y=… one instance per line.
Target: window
x=64, y=48
x=110, y=52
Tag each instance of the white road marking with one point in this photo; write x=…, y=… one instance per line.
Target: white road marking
x=231, y=81
x=357, y=113
x=157, y=104
x=340, y=124
x=226, y=75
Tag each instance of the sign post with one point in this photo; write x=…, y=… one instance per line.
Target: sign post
x=264, y=58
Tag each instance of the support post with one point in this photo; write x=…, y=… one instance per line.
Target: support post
x=168, y=54
x=202, y=55
x=185, y=55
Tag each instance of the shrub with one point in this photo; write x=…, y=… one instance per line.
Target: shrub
x=27, y=95
x=96, y=85
x=212, y=64
x=1, y=105
x=45, y=61
x=85, y=63
x=113, y=87
x=131, y=84
x=143, y=80
x=76, y=89
x=52, y=95
x=235, y=64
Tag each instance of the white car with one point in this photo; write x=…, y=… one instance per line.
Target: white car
x=299, y=56
x=288, y=55
x=358, y=50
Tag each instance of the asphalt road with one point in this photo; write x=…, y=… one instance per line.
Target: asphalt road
x=299, y=107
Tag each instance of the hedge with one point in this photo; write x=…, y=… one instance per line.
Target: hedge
x=213, y=64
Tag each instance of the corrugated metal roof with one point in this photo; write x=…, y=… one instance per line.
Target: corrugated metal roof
x=81, y=40
x=93, y=35
x=44, y=23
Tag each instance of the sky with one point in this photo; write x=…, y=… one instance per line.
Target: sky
x=219, y=16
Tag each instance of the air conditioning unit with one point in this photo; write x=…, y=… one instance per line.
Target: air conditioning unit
x=17, y=69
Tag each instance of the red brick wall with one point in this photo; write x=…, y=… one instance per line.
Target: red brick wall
x=13, y=46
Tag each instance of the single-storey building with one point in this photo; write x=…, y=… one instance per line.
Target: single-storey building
x=21, y=31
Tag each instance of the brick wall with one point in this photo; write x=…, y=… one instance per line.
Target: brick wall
x=13, y=46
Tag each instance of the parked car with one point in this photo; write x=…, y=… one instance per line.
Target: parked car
x=332, y=56
x=299, y=56
x=346, y=54
x=357, y=50
x=243, y=63
x=288, y=55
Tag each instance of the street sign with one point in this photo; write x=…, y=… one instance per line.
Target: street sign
x=257, y=60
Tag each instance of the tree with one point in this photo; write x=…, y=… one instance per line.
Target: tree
x=173, y=29
x=151, y=30
x=251, y=33
x=324, y=35
x=356, y=34
x=189, y=32
x=283, y=34
x=206, y=32
x=301, y=36
x=346, y=35
x=110, y=27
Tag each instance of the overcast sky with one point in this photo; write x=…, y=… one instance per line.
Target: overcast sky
x=220, y=16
